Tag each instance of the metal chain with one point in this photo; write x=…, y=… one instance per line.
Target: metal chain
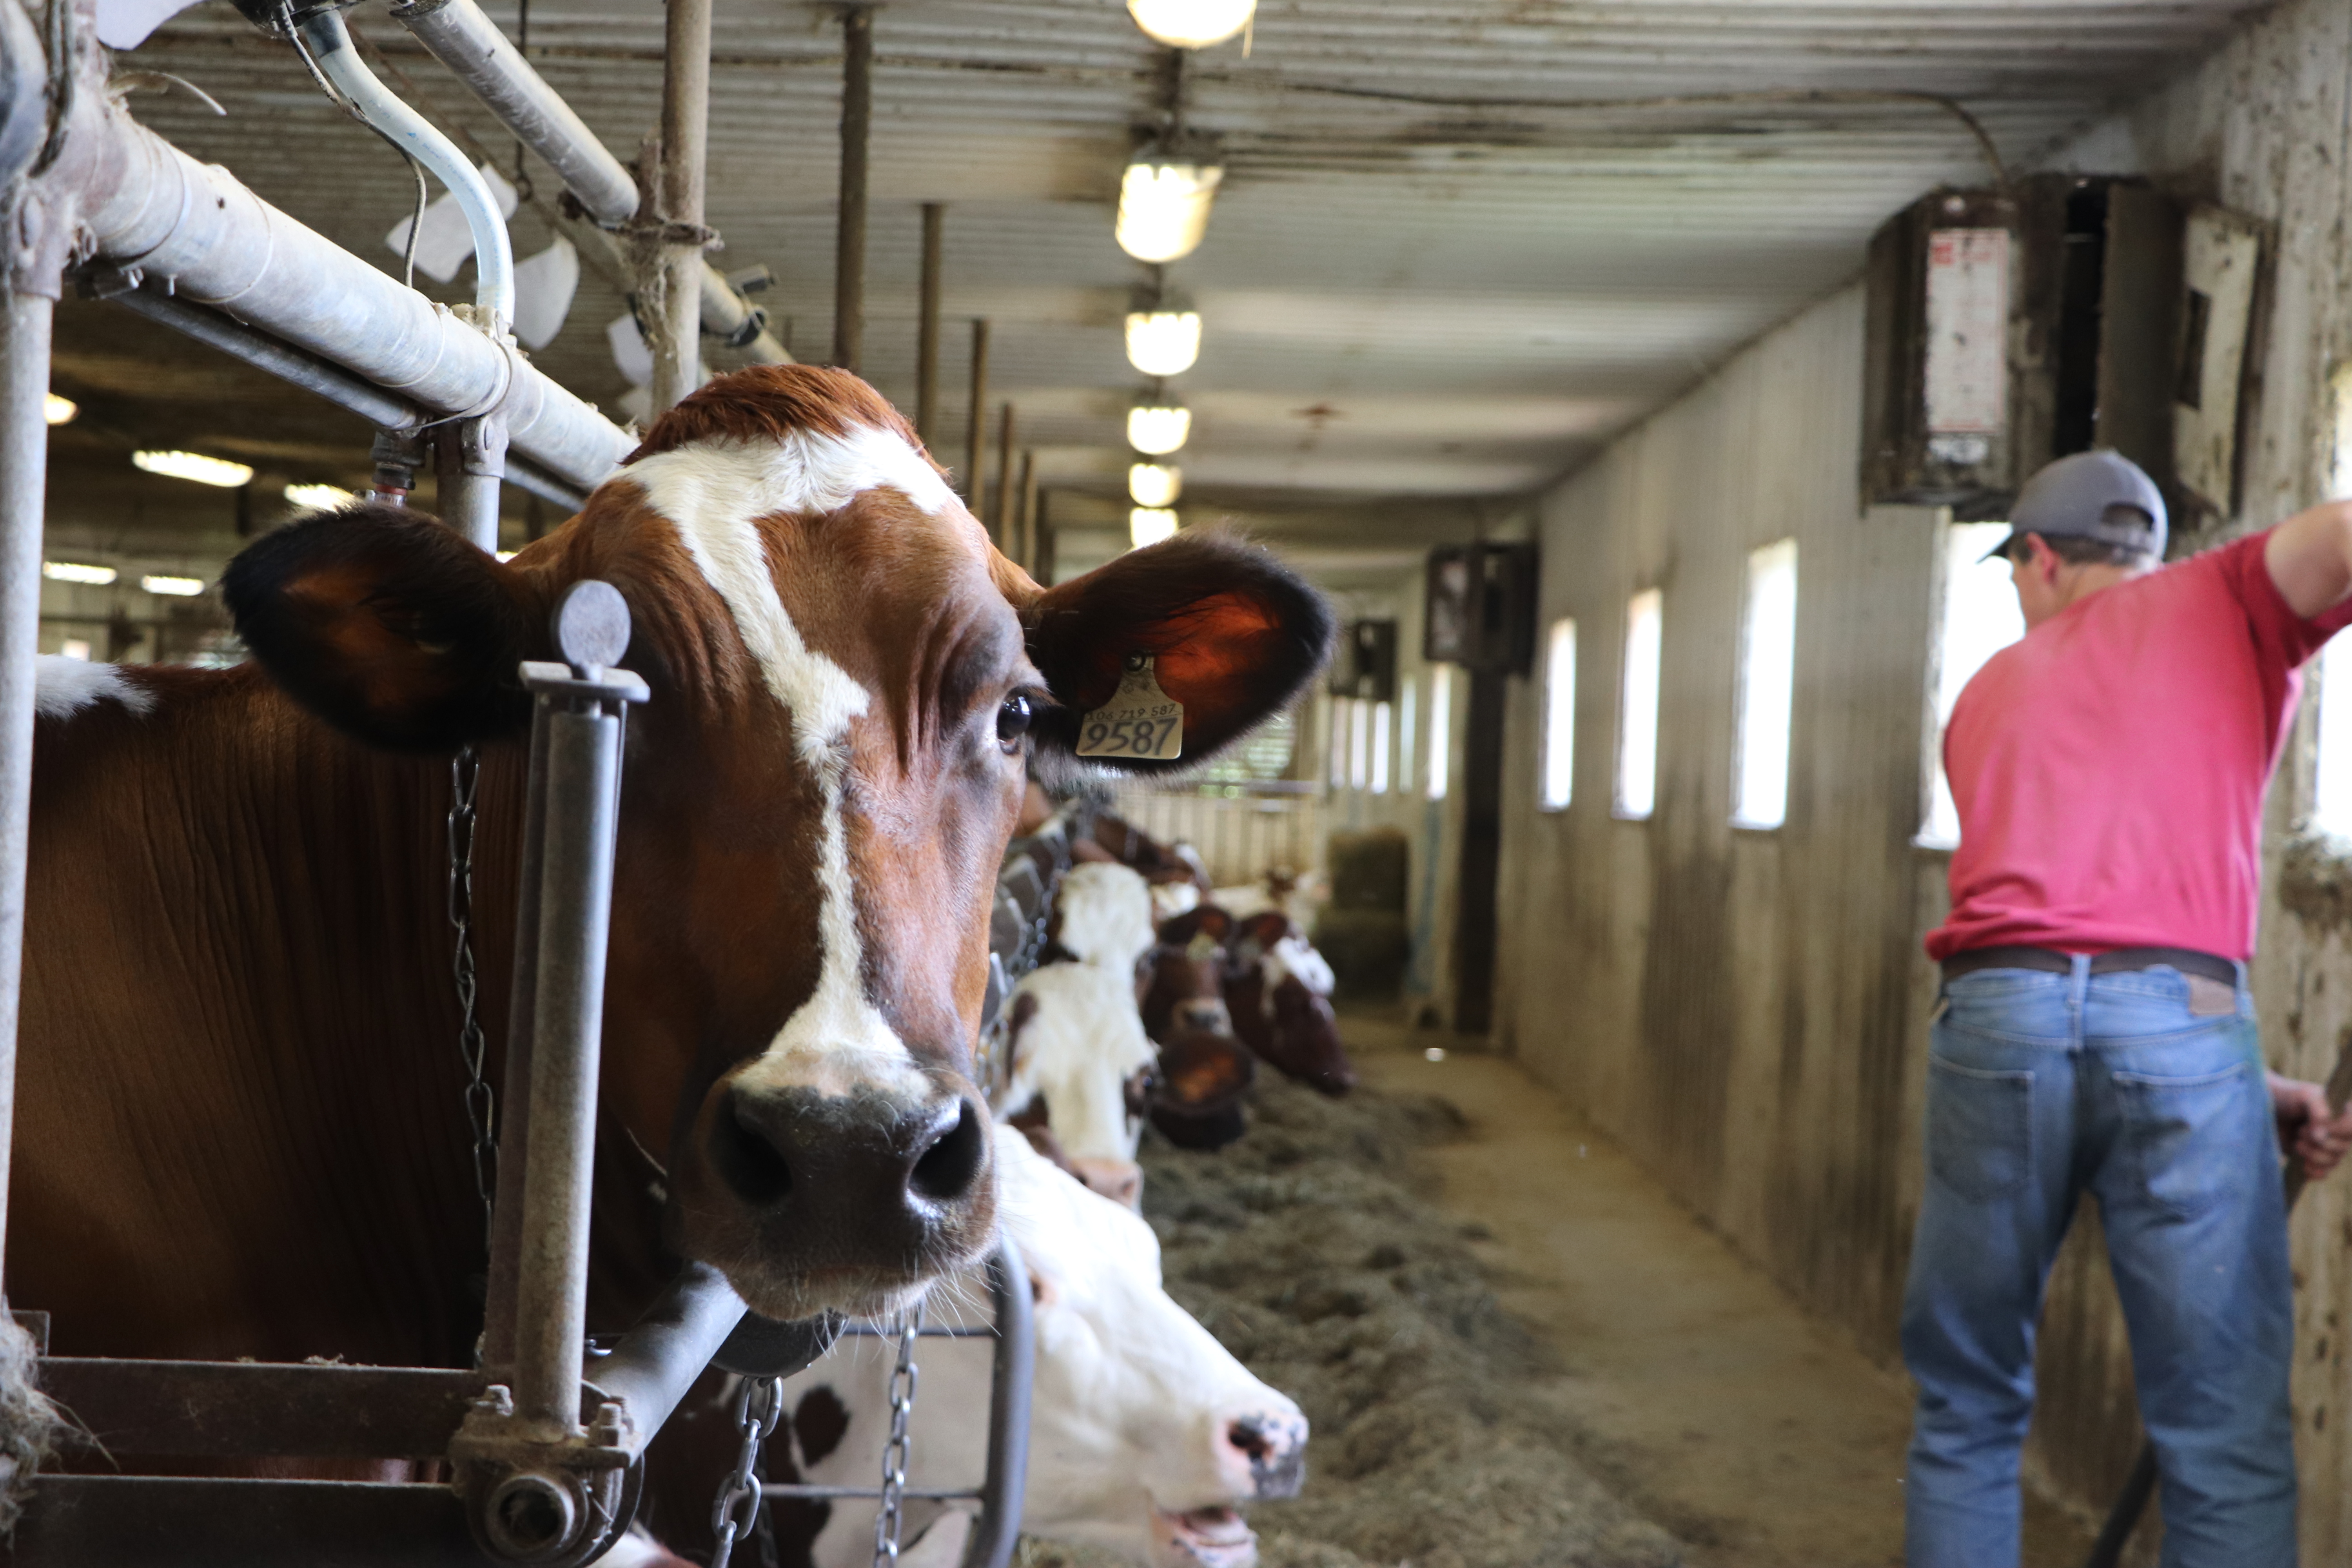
x=894, y=1455
x=465, y=775
x=758, y=1406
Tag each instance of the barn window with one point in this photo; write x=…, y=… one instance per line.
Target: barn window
x=1975, y=617
x=1768, y=683
x=1409, y=690
x=1360, y=727
x=1559, y=715
x=1637, y=720
x=1380, y=716
x=1335, y=732
x=1441, y=729
x=2331, y=791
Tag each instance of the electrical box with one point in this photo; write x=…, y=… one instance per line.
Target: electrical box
x=1366, y=665
x=2006, y=331
x=1480, y=607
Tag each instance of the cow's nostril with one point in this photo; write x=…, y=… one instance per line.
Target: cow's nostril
x=947, y=1168
x=751, y=1166
x=1250, y=1439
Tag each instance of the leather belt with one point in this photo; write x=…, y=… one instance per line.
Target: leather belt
x=2049, y=961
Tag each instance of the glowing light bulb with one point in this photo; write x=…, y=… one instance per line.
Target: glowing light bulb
x=1154, y=484
x=194, y=465
x=1191, y=24
x=78, y=571
x=1163, y=207
x=58, y=410
x=1159, y=428
x=1163, y=343
x=1150, y=525
x=174, y=587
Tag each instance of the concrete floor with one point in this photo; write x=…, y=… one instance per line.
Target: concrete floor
x=1764, y=1438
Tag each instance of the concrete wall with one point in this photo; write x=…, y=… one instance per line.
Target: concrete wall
x=1746, y=1011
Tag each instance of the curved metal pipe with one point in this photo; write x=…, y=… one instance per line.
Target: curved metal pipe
x=330, y=43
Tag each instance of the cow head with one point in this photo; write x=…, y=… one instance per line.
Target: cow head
x=1278, y=988
x=848, y=684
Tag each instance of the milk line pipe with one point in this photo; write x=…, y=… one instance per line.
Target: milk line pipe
x=330, y=44
x=472, y=48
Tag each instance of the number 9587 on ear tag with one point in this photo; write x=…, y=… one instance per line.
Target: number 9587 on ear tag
x=1139, y=722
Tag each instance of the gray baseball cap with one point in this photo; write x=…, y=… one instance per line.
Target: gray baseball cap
x=2090, y=495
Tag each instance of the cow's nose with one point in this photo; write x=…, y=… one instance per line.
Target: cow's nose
x=1120, y=1181
x=1209, y=1017
x=1263, y=1453
x=859, y=1156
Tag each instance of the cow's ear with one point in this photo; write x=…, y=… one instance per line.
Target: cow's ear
x=1234, y=636
x=387, y=625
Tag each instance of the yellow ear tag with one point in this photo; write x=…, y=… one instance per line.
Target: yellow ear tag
x=1140, y=722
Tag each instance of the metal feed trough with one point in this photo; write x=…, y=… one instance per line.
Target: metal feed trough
x=545, y=1454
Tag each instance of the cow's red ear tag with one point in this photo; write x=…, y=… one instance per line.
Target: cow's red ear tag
x=1141, y=723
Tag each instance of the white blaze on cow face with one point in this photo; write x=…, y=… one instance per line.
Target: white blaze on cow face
x=1144, y=1432
x=714, y=492
x=1078, y=1050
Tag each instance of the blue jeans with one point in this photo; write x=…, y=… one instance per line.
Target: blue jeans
x=2042, y=1087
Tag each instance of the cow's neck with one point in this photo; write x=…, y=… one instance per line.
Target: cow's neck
x=238, y=985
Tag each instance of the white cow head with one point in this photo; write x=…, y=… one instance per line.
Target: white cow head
x=1144, y=1431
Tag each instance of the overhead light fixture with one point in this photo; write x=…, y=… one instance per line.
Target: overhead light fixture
x=319, y=497
x=78, y=571
x=1191, y=24
x=1154, y=484
x=58, y=410
x=1150, y=525
x=172, y=587
x=194, y=466
x=1163, y=343
x=1163, y=204
x=1159, y=428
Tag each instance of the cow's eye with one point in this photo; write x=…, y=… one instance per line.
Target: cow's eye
x=1013, y=720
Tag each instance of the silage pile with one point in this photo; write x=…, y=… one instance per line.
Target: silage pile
x=1312, y=1249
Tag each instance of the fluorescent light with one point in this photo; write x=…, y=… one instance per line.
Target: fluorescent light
x=319, y=497
x=1191, y=24
x=74, y=647
x=174, y=587
x=194, y=465
x=1150, y=525
x=78, y=571
x=60, y=409
x=1163, y=206
x=1159, y=428
x=508, y=554
x=1154, y=484
x=1163, y=343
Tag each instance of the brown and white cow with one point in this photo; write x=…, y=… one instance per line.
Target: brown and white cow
x=240, y=1127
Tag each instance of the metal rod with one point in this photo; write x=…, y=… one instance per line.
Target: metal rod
x=576, y=896
x=1027, y=558
x=25, y=324
x=468, y=43
x=1003, y=513
x=684, y=148
x=514, y=1090
x=975, y=441
x=331, y=45
x=308, y=370
x=997, y=1530
x=850, y=228
x=471, y=459
x=927, y=328
x=667, y=1348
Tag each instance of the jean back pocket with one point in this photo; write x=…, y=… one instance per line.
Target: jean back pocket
x=2195, y=1141
x=1979, y=1129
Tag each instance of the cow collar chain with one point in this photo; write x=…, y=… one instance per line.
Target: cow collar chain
x=758, y=1406
x=887, y=1519
x=465, y=773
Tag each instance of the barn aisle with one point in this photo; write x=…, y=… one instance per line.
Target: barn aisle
x=1759, y=1435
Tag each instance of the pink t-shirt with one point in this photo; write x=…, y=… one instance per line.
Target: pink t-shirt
x=2110, y=766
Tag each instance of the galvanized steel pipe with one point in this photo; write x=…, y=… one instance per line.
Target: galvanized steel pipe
x=152, y=209
x=24, y=322
x=849, y=225
x=927, y=328
x=330, y=47
x=685, y=153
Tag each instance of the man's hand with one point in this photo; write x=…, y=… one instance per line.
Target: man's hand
x=2308, y=1130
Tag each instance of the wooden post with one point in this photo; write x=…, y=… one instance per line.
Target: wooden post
x=1028, y=511
x=1006, y=496
x=926, y=330
x=975, y=440
x=849, y=231
x=685, y=145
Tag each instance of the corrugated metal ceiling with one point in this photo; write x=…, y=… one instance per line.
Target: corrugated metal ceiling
x=1441, y=265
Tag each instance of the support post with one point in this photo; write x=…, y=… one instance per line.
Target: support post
x=850, y=230
x=1003, y=518
x=470, y=457
x=1027, y=558
x=24, y=480
x=975, y=440
x=926, y=329
x=684, y=142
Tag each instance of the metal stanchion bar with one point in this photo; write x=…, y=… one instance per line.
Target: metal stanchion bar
x=926, y=327
x=24, y=322
x=658, y=1360
x=849, y=227
x=684, y=146
x=998, y=1529
x=975, y=441
x=514, y=1117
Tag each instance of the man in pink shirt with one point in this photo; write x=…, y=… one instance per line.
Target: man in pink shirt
x=2095, y=1035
